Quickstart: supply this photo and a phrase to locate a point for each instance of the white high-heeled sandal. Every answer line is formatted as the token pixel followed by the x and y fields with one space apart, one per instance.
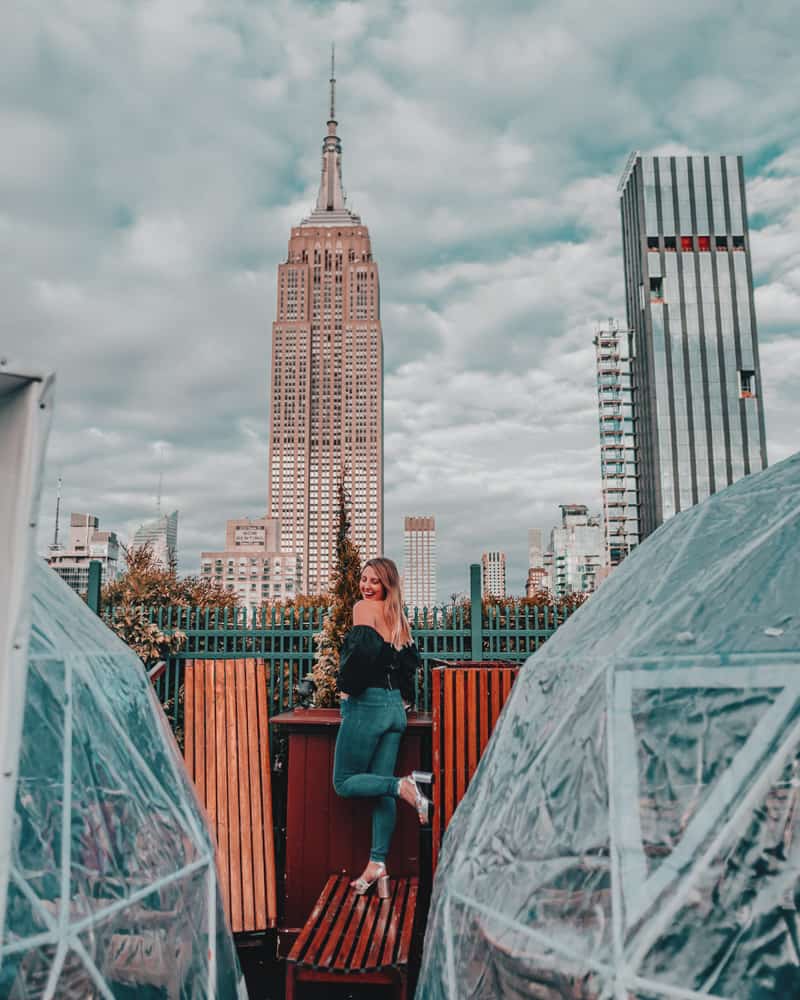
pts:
pixel 423 804
pixel 362 886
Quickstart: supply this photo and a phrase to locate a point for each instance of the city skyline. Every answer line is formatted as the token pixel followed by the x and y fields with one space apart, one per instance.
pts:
pixel 151 183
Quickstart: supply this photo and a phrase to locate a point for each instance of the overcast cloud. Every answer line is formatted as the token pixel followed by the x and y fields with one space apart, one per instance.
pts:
pixel 153 156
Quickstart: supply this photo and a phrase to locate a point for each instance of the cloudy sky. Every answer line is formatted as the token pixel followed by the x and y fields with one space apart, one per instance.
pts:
pixel 154 154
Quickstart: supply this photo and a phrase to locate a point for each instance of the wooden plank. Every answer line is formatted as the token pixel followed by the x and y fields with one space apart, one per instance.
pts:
pixel 471 722
pixel 436 761
pixel 379 931
pixel 497 698
pixel 188 721
pixel 447 737
pixel 484 721
pixel 201 723
pixel 222 782
pixel 349 936
pixel 398 909
pixel 365 935
pixel 298 948
pixel 407 930
pixel 211 757
pixel 459 727
pixel 338 929
pixel 265 772
pixel 234 826
pixel 326 921
pixel 245 834
pixel 256 818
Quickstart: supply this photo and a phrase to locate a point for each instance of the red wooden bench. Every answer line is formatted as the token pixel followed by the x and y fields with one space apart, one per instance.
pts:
pixel 226 746
pixel 467 701
pixel 360 938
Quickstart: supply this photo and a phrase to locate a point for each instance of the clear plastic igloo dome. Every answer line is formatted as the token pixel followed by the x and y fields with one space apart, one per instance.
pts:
pixel 633 829
pixel 107 878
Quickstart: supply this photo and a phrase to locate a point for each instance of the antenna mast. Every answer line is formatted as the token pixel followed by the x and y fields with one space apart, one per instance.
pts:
pixel 58 513
pixel 333 82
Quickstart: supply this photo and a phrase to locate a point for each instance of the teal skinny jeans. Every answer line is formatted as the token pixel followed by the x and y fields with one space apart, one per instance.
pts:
pixel 373 724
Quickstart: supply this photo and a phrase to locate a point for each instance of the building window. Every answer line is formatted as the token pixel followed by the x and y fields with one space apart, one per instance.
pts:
pixel 686 243
pixel 747 383
pixel 738 242
pixel 721 242
pixel 652 243
pixel 656 289
pixel 669 242
pixel 704 243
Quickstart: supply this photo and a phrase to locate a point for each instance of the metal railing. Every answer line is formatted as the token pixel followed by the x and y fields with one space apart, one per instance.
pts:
pixel 283 638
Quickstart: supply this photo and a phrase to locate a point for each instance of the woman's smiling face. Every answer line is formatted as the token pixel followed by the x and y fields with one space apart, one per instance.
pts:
pixel 371 586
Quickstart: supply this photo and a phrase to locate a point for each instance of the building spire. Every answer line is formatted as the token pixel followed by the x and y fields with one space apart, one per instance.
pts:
pixel 330 209
pixel 331 195
pixel 332 117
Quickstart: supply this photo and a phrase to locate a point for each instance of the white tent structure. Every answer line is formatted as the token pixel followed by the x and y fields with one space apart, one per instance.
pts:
pixel 633 829
pixel 107 878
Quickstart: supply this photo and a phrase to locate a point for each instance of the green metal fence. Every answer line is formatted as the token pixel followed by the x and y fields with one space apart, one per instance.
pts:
pixel 284 639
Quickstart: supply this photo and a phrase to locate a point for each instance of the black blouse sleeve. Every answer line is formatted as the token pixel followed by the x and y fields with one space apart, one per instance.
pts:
pixel 361 647
pixel 407 662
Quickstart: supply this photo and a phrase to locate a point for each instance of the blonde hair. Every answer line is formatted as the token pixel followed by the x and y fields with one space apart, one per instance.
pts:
pixel 393 613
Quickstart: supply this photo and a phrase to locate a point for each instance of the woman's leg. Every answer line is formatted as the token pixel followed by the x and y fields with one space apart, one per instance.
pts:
pixel 360 734
pixel 384 813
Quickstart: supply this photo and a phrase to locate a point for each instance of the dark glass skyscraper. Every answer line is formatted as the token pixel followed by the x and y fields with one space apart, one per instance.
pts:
pixel 698 407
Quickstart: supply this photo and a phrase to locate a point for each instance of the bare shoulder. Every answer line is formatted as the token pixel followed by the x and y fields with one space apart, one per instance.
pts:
pixel 363 614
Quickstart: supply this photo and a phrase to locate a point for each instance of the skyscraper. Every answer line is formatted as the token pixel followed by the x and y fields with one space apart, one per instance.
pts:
pixel 326 404
pixel 161 534
pixel 617 443
pixel 86 544
pixel 699 416
pixel 576 551
pixel 493 566
pixel 419 563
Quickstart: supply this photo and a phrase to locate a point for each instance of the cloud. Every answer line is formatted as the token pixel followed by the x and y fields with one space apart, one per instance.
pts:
pixel 156 155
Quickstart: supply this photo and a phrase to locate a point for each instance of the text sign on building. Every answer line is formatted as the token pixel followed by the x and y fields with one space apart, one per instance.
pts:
pixel 250 535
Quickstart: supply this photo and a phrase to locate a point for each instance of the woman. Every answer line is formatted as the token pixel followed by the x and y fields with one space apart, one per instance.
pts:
pixel 378 667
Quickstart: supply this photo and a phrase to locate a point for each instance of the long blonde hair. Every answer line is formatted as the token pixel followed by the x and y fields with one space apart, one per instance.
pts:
pixel 393 613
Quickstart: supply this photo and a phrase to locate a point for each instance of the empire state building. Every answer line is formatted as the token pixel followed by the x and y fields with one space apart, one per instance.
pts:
pixel 326 403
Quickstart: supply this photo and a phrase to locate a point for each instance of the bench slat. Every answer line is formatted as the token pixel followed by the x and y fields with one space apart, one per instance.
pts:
pixel 325 924
pixel 337 930
pixel 379 931
pixel 298 947
pixel 349 937
pixel 357 961
pixel 404 945
pixel 398 909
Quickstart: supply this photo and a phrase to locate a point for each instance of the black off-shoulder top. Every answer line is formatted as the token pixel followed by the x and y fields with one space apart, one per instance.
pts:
pixel 366 659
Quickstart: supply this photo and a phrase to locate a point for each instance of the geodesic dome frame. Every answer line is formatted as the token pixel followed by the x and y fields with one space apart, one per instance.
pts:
pixel 107 866
pixel 633 830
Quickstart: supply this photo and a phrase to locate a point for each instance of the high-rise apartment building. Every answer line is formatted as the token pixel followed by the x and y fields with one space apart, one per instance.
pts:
pixel 326 405
pixel 699 415
pixel 161 535
pixel 493 574
pixel 86 544
pixel 252 565
pixel 535 548
pixel 576 553
pixel 617 444
pixel 419 562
